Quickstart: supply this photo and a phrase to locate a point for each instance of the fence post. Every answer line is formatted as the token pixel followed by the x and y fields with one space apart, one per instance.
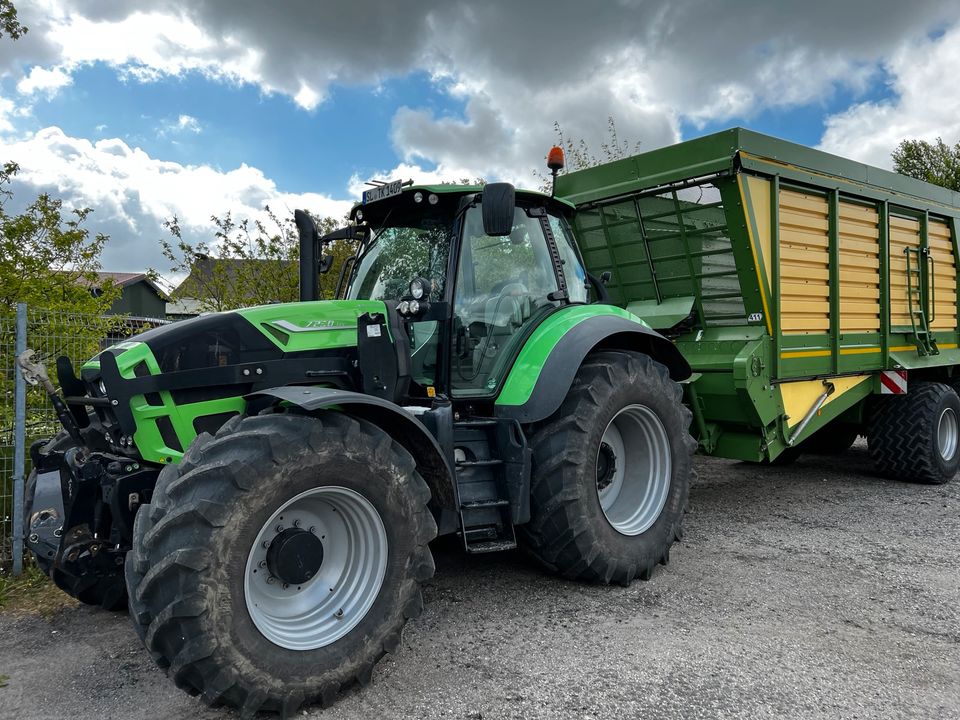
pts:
pixel 19 440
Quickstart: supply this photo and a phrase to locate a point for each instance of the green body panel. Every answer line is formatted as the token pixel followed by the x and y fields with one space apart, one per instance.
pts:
pixel 525 372
pixel 291 327
pixel 684 221
pixel 311 325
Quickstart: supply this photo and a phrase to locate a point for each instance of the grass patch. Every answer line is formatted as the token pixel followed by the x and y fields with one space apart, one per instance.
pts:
pixel 32 592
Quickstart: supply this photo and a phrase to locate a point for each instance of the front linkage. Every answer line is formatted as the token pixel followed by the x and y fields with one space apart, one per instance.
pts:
pixel 80 503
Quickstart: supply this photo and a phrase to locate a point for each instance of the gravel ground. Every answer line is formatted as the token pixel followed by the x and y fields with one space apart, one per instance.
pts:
pixel 803 592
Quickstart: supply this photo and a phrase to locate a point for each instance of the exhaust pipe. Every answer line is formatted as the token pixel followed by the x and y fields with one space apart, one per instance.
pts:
pixel 309 256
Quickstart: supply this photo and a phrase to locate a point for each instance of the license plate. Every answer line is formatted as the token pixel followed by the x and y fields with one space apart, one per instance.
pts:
pixel 382 191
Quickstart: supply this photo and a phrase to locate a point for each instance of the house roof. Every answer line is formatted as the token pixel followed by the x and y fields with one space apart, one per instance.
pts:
pixel 204 267
pixel 123 279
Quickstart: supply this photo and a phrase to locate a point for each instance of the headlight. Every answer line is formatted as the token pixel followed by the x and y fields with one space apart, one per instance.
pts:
pixel 418 288
pixel 414 307
pixel 404 307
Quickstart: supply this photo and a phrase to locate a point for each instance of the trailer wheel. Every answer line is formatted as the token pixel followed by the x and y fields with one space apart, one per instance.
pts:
pixel 280 560
pixel 611 472
pixel 916 436
pixel 109 591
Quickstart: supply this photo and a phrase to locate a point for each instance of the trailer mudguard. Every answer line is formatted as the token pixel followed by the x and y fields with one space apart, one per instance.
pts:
pixel 544 370
pixel 399 424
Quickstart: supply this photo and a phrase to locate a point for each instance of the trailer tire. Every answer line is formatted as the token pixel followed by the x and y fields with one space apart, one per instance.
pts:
pixel 916 437
pixel 204 613
pixel 108 592
pixel 577 528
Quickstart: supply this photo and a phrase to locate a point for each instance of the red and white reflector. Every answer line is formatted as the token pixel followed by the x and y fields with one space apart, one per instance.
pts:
pixel 893 382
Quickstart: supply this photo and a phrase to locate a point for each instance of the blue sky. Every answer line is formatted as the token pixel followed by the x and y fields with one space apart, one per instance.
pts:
pixel 149 109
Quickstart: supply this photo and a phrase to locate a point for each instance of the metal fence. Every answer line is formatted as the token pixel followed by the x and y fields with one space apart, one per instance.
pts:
pixel 26 414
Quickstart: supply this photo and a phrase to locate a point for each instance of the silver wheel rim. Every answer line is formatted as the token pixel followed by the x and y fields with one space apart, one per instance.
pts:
pixel 634 489
pixel 948 430
pixel 330 604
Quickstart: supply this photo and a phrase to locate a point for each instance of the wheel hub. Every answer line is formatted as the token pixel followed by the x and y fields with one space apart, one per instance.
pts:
pixel 316 567
pixel 606 466
pixel 634 467
pixel 295 556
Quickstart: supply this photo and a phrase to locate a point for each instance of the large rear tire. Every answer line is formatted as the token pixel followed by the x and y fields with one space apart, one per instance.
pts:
pixel 611 472
pixel 916 436
pixel 106 591
pixel 280 560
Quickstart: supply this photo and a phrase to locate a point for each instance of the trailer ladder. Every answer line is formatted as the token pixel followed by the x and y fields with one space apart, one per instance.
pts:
pixel 919 323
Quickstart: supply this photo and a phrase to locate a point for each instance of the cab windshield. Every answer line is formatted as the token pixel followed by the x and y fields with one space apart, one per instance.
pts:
pixel 399 254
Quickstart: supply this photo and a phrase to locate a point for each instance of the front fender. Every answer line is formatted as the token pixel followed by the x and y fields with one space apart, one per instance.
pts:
pixel 399 424
pixel 546 366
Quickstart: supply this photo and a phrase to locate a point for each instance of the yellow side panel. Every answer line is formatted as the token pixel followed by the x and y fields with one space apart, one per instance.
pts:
pixel 759 190
pixel 859 245
pixel 904 232
pixel 799 397
pixel 944 276
pixel 804 263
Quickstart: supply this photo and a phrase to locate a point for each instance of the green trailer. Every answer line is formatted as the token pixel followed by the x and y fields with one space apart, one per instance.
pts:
pixel 811 294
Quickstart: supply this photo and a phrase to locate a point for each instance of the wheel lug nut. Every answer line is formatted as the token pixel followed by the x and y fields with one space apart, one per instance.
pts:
pixel 263 563
pixel 279 528
pixel 270 580
pixel 266 543
pixel 285 586
pixel 313 529
pixel 296 523
pixel 338 613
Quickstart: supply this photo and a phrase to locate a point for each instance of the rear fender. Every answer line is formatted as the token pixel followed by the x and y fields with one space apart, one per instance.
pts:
pixel 545 369
pixel 399 424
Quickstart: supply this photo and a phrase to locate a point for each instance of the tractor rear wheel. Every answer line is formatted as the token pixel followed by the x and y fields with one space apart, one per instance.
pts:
pixel 611 472
pixel 916 436
pixel 280 560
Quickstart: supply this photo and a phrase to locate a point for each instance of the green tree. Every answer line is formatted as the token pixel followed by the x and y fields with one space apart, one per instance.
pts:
pixel 9 24
pixel 48 258
pixel 935 162
pixel 248 262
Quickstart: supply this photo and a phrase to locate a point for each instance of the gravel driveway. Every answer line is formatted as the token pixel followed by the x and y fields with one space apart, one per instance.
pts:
pixel 815 590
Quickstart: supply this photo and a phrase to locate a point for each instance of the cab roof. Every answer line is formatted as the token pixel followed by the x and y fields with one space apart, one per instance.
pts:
pixel 370 209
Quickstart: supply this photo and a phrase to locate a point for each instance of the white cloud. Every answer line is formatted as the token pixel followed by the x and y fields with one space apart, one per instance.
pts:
pixel 923 107
pixel 133 193
pixel 42 80
pixel 180 124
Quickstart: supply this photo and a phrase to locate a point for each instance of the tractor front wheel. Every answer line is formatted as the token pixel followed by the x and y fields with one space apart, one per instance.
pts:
pixel 280 560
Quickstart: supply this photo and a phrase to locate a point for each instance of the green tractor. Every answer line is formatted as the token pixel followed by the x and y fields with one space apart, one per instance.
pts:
pixel 262 485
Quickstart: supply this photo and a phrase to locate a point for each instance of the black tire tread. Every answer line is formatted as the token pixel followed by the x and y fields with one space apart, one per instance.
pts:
pixel 560 536
pixel 899 437
pixel 187 495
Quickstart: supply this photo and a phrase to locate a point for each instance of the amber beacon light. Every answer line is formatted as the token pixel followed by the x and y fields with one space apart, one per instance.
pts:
pixel 555 162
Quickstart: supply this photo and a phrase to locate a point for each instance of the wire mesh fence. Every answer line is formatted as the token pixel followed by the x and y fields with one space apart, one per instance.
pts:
pixel 50 334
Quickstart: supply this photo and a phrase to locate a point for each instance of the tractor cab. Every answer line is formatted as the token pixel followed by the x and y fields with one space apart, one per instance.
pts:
pixel 469 272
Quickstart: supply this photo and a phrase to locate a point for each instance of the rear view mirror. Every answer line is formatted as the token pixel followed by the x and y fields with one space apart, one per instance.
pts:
pixel 499 201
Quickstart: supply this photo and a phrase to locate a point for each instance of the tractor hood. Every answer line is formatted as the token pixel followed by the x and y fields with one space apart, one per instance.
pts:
pixel 234 337
pixel 166 385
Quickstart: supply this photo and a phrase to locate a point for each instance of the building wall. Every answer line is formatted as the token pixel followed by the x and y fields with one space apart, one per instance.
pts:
pixel 139 300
